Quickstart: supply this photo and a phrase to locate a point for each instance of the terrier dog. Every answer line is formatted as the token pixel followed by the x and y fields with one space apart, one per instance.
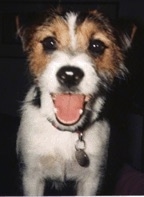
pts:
pixel 73 59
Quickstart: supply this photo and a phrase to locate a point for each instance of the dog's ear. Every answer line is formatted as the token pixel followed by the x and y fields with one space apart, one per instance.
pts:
pixel 18 26
pixel 21 31
pixel 128 35
pixel 126 31
pixel 26 25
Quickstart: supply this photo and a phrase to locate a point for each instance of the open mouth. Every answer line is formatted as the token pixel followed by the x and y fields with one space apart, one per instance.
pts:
pixel 69 107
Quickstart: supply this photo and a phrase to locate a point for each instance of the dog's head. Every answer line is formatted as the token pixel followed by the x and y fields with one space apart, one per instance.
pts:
pixel 73 58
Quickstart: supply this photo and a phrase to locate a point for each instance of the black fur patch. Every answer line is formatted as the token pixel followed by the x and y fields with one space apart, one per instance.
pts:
pixel 37 99
pixel 81 17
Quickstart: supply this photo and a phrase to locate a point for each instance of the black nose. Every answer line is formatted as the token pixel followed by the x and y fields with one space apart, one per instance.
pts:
pixel 70 76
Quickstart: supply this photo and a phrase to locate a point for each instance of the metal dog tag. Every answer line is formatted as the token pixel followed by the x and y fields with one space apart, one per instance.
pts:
pixel 82 158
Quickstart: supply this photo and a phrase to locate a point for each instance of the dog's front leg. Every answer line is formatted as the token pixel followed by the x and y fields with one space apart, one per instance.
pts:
pixel 88 186
pixel 33 184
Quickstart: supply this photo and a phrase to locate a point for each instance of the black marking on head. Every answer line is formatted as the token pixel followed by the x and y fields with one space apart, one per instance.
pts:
pixel 81 17
pixel 37 98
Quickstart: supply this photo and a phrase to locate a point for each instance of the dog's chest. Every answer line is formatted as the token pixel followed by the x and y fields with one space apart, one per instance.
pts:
pixel 54 151
pixel 56 167
pixel 55 154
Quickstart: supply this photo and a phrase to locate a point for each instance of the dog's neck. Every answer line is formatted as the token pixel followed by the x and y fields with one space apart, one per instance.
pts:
pixel 80 146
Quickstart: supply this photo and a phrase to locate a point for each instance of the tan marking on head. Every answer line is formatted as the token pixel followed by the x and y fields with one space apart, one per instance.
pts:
pixel 110 59
pixel 87 31
pixel 38 58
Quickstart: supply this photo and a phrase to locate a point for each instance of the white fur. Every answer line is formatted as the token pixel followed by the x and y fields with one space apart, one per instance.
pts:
pixel 80 60
pixel 71 20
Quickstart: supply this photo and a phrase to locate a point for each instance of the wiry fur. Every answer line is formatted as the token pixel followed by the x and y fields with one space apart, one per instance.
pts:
pixel 47 146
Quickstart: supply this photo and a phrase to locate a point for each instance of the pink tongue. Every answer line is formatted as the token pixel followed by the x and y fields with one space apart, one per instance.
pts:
pixel 68 107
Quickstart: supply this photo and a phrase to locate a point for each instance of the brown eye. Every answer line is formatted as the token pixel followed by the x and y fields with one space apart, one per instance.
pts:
pixel 96 47
pixel 49 44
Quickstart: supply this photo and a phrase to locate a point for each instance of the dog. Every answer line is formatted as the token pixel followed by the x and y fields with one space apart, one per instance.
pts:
pixel 73 59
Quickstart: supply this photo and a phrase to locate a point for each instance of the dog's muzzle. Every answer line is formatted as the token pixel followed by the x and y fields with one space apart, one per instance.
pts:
pixel 69 106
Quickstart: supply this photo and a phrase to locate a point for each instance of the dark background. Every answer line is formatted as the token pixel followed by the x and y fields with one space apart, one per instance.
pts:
pixel 126 98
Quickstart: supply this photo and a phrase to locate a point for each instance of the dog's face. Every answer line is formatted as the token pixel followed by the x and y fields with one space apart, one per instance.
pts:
pixel 74 58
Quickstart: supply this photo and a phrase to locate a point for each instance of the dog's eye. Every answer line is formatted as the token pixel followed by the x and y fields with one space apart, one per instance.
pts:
pixel 96 47
pixel 49 44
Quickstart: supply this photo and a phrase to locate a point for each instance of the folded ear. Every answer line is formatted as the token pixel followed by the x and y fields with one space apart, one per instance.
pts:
pixel 25 27
pixel 126 31
pixel 28 19
pixel 21 29
pixel 128 36
pixel 134 29
pixel 18 26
